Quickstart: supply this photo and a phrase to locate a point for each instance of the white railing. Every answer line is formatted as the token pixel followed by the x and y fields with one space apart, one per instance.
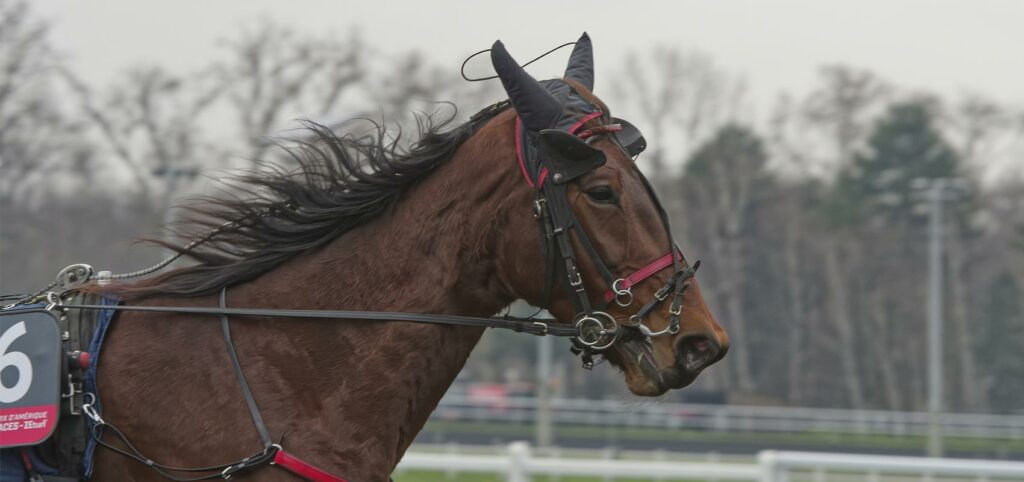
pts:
pixel 519 464
pixel 735 418
pixel 780 466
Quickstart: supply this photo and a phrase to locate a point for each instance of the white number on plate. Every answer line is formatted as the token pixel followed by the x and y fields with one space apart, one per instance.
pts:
pixel 19 361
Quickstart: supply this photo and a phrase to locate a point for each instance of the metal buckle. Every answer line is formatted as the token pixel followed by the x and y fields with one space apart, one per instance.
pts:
pixel 601 334
pixel 676 308
pixel 538 208
pixel 544 326
pixel 577 281
pixel 663 292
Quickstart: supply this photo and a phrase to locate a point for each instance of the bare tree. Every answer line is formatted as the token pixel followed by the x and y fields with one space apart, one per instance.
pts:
pixel 275 76
pixel 36 137
pixel 680 98
pixel 151 122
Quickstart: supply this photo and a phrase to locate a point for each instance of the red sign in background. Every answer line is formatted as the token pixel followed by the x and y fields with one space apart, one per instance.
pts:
pixel 26 425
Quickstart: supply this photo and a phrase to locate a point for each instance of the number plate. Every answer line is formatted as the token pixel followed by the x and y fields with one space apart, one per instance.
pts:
pixel 30 357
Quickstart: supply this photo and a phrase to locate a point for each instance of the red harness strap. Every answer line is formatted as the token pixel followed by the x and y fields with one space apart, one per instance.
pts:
pixel 641 274
pixel 302 468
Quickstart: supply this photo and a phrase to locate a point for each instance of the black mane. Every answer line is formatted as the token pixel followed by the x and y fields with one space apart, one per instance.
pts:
pixel 274 213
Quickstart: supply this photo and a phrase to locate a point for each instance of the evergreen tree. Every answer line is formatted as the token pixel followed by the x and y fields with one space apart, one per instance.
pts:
pixel 1001 344
pixel 724 178
pixel 904 144
pixel 734 147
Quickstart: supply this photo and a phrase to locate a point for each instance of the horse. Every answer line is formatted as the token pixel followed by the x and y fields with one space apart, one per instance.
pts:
pixel 447 226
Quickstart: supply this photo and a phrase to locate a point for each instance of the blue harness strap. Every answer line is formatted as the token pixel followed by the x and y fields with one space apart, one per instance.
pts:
pixel 102 325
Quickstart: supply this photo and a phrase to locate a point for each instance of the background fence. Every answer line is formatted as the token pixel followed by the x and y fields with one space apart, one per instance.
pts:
pixel 735 418
pixel 518 463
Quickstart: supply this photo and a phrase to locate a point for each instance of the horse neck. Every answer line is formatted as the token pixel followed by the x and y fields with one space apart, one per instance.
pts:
pixel 435 252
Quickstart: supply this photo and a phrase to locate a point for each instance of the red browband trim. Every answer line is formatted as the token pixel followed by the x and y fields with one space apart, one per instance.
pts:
pixel 642 274
pixel 302 468
pixel 584 120
pixel 599 130
pixel 519 152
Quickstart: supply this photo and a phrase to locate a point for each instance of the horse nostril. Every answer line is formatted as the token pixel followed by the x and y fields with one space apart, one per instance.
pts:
pixel 697 352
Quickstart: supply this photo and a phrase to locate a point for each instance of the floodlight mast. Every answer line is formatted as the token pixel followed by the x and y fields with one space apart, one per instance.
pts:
pixel 936 191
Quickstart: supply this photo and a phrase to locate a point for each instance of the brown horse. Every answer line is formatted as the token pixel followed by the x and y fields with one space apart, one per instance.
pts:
pixel 444 227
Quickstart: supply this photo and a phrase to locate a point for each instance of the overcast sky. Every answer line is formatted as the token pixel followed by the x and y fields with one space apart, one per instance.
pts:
pixel 940 45
pixel 944 46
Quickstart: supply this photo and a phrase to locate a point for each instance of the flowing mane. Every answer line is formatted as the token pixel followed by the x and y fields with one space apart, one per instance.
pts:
pixel 273 213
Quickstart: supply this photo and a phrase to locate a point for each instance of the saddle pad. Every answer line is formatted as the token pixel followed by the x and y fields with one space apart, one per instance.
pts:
pixel 30 356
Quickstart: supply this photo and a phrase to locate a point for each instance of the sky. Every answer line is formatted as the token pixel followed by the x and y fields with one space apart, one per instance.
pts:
pixel 939 45
pixel 942 46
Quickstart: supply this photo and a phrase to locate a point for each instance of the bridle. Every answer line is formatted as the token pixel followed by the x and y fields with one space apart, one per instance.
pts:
pixel 549 180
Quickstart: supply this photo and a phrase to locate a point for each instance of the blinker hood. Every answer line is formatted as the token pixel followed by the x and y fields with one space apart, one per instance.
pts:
pixel 549 104
pixel 549 112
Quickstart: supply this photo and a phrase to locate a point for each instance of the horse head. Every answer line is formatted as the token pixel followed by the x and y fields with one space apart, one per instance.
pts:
pixel 609 264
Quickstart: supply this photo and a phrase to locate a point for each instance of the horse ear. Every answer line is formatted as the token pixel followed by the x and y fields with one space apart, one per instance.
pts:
pixel 537 108
pixel 581 63
pixel 567 156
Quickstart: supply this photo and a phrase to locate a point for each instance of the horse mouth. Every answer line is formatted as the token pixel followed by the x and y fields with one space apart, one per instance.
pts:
pixel 642 374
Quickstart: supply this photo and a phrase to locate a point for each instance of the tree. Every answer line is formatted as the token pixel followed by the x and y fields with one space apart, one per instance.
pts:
pixel 274 75
pixel 36 137
pixel 904 145
pixel 878 232
pixel 1001 344
pixel 721 181
pixel 681 98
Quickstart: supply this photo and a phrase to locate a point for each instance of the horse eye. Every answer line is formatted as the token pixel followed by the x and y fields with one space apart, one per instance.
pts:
pixel 602 194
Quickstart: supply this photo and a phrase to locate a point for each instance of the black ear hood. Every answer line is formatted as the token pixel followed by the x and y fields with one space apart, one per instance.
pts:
pixel 551 112
pixel 548 104
pixel 536 107
pixel 581 63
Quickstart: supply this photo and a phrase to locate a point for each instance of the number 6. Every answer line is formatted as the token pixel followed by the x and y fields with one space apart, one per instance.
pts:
pixel 19 361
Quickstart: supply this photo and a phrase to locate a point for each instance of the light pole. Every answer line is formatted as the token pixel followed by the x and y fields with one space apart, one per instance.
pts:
pixel 936 192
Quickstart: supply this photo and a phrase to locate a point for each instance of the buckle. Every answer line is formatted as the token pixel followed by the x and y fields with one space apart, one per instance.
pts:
pixel 677 307
pixel 538 208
